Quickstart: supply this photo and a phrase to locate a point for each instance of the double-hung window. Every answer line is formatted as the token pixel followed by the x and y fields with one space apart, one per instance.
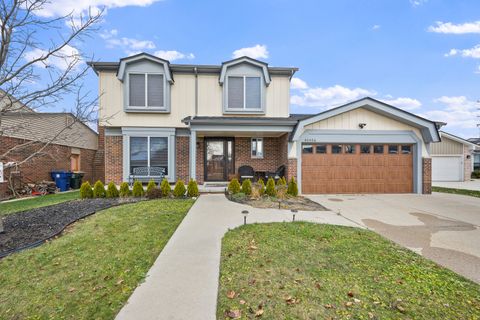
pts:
pixel 257 148
pixel 244 93
pixel 146 90
pixel 149 152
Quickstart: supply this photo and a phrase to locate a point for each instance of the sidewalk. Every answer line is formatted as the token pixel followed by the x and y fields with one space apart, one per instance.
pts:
pixel 183 281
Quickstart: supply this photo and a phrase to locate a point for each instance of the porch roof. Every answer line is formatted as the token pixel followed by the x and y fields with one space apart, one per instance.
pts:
pixel 292 120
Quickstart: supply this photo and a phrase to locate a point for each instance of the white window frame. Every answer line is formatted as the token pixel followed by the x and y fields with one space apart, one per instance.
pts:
pixel 146 106
pixel 245 109
pixel 251 149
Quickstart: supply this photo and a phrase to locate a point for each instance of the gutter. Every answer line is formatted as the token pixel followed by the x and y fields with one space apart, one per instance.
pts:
pixel 195 70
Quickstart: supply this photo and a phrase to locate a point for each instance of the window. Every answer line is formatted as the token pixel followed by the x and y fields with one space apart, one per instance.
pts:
pixel 307 148
pixel 146 90
pixel 257 148
pixel 350 148
pixel 321 148
pixel 149 152
pixel 378 149
pixel 244 93
pixel 365 148
pixel 406 149
pixel 336 148
pixel 75 162
pixel 392 149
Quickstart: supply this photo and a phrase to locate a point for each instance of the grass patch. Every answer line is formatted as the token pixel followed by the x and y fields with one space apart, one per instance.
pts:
pixel 465 192
pixel 36 202
pixel 91 270
pixel 310 271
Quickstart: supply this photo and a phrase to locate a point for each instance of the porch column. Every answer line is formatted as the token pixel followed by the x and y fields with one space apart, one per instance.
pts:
pixel 193 154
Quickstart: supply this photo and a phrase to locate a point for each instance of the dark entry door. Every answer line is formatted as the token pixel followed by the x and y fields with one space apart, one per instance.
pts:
pixel 219 163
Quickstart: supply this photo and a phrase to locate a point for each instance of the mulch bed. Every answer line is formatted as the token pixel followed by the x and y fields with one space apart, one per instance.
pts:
pixel 291 203
pixel 32 227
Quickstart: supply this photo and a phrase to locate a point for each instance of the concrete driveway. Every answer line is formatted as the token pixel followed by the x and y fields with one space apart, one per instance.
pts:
pixel 473 184
pixel 443 227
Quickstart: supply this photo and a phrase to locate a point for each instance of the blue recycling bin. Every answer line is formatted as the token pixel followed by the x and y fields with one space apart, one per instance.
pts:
pixel 62 179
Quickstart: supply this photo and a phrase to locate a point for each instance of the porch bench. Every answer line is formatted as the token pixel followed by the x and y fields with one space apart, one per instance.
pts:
pixel 145 174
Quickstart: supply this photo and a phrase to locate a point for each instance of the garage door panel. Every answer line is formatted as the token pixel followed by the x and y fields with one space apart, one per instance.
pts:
pixel 447 168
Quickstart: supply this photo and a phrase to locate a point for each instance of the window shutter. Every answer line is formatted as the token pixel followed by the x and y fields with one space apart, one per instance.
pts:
pixel 136 90
pixel 253 93
pixel 155 90
pixel 235 92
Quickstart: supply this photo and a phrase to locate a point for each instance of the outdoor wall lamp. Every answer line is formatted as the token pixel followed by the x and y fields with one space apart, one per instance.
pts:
pixel 245 213
pixel 362 125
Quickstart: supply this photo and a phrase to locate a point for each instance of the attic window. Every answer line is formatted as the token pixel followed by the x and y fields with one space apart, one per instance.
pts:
pixel 244 93
pixel 146 90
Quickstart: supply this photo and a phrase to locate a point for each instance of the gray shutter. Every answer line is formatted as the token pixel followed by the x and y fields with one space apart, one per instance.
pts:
pixel 235 92
pixel 253 93
pixel 136 91
pixel 155 90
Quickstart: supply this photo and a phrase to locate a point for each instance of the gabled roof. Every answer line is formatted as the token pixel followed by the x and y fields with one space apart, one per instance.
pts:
pixel 245 59
pixel 458 139
pixel 144 56
pixel 428 128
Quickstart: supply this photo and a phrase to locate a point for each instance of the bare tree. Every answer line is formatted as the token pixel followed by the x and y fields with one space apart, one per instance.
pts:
pixel 35 73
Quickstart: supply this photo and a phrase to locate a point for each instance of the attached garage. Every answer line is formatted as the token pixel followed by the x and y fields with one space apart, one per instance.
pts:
pixel 447 168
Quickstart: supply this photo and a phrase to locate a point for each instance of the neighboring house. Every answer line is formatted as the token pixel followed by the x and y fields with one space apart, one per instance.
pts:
pixel 72 145
pixel 452 159
pixel 205 121
pixel 476 153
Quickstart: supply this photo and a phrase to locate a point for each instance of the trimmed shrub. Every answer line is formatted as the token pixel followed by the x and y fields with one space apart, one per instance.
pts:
pixel 151 185
pixel 179 190
pixel 154 193
pixel 165 187
pixel 234 186
pixel 99 190
pixel 284 181
pixel 270 188
pixel 86 191
pixel 281 192
pixel 261 189
pixel 281 182
pixel 292 188
pixel 476 174
pixel 247 187
pixel 192 189
pixel 125 190
pixel 257 191
pixel 112 191
pixel 137 190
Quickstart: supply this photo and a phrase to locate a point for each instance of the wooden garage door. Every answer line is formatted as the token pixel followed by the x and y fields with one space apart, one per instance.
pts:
pixel 355 168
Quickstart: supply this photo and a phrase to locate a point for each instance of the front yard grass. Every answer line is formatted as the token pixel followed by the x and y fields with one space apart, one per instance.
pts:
pixel 465 192
pixel 90 271
pixel 311 271
pixel 37 202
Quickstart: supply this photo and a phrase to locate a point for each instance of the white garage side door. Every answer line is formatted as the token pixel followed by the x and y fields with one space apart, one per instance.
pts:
pixel 448 168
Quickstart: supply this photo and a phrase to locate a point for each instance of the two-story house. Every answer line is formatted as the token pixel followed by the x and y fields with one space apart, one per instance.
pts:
pixel 206 121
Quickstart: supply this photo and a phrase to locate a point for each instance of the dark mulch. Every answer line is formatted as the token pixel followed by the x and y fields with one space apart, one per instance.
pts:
pixel 290 203
pixel 32 227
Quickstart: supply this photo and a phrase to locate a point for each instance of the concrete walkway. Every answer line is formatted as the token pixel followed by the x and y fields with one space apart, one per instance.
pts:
pixel 473 184
pixel 183 282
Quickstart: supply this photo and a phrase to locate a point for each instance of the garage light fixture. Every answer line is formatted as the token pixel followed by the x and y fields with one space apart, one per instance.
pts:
pixel 362 125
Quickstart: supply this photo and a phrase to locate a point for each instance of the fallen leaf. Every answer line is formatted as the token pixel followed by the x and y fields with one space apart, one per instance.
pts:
pixel 318 285
pixel 357 300
pixel 259 313
pixel 297 280
pixel 252 282
pixel 243 301
pixel 348 303
pixel 400 308
pixel 252 247
pixel 350 293
pixel 371 315
pixel 233 314
pixel 119 282
pixel 71 289
pixel 231 294
pixel 291 300
pixel 328 306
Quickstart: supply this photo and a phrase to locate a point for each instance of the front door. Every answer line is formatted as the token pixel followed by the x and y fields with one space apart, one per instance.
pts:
pixel 219 165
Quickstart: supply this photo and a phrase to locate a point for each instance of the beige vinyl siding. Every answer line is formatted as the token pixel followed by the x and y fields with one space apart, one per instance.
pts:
pixel 350 120
pixel 45 127
pixel 447 146
pixel 278 97
pixel 209 96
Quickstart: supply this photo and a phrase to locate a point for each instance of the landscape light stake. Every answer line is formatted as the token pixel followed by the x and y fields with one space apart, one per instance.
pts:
pixel 294 211
pixel 245 213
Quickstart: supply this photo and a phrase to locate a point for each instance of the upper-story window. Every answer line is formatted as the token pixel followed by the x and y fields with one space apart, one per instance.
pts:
pixel 146 90
pixel 244 93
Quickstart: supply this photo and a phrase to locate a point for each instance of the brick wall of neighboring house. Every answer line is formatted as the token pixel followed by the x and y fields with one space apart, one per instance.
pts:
pixel 427 175
pixel 182 152
pixel 53 157
pixel 467 175
pixel 113 154
pixel 99 159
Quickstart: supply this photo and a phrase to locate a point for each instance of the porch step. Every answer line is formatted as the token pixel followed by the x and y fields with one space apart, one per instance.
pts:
pixel 213 187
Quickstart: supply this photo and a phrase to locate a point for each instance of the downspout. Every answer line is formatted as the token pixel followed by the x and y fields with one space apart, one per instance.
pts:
pixel 195 70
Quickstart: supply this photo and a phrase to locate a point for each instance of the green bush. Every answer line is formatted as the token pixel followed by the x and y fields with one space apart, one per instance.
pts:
pixel 284 181
pixel 154 193
pixel 247 186
pixel 261 190
pixel 179 190
pixel 192 189
pixel 125 190
pixel 112 191
pixel 281 181
pixel 292 188
pixel 234 186
pixel 151 185
pixel 86 191
pixel 476 174
pixel 270 188
pixel 98 190
pixel 165 187
pixel 137 190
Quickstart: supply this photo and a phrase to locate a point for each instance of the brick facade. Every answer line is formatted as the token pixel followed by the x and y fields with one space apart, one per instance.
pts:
pixel 467 167
pixel 53 157
pixel 200 161
pixel 427 175
pixel 99 160
pixel 292 169
pixel 113 159
pixel 182 156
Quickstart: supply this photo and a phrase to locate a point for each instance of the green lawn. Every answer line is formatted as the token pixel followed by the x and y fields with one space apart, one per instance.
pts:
pixel 89 272
pixel 464 192
pixel 310 271
pixel 36 202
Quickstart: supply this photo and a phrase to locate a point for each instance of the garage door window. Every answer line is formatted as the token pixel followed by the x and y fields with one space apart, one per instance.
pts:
pixel 406 149
pixel 336 148
pixel 378 149
pixel 307 148
pixel 392 149
pixel 321 148
pixel 350 148
pixel 365 148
